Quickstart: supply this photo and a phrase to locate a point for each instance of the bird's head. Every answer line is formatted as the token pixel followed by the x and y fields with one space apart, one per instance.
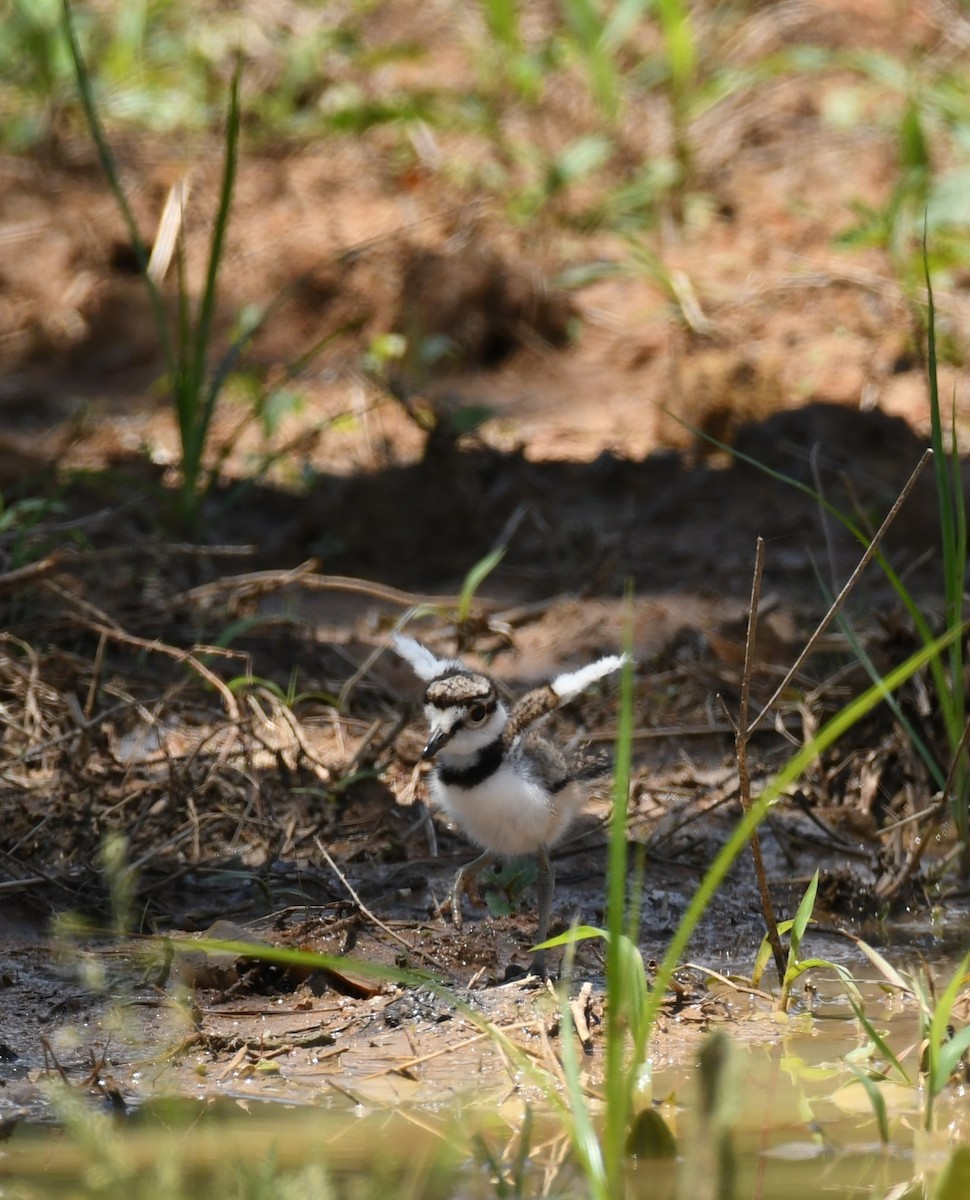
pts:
pixel 464 714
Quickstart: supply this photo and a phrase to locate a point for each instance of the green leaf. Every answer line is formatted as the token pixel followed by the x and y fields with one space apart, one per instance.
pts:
pixel 765 953
pixel 497 903
pixel 946 1052
pixel 581 158
pixel 948 1057
pixel 281 403
pixel 914 152
pixel 877 1040
pixel 885 968
pixel 243 683
pixel 876 1099
pixel 576 933
pixel 650 1137
pixel 502 17
pixel 474 579
pixel 803 915
pixel 954 1181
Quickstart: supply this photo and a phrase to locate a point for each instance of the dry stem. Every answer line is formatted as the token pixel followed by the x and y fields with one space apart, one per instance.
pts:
pixel 841 598
pixel 741 740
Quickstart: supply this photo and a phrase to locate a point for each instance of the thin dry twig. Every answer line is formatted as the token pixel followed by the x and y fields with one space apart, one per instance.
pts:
pixel 11 580
pixel 101 623
pixel 473 1040
pixel 369 915
pixel 745 988
pixel 888 889
pixel 841 598
pixel 39 750
pixel 255 583
pixel 744 776
pixel 577 1008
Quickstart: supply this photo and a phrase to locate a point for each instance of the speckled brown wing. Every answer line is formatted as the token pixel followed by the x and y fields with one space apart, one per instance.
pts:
pixel 532 707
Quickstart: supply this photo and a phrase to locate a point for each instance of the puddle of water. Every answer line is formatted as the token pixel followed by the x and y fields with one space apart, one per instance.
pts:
pixel 802 1126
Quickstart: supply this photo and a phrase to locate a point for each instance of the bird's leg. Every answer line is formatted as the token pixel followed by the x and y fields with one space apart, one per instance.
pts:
pixel 545 887
pixel 464 878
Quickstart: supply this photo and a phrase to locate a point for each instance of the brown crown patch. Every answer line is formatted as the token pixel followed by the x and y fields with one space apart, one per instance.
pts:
pixel 462 687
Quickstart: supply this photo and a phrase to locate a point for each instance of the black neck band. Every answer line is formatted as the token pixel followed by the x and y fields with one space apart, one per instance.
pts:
pixel 486 763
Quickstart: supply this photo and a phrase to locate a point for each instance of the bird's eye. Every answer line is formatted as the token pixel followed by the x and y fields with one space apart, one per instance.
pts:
pixel 477 714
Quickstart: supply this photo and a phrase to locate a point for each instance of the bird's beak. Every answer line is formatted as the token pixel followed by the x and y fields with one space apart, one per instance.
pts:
pixel 437 739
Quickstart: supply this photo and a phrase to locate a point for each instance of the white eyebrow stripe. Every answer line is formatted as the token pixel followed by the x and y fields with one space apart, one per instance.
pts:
pixel 446 718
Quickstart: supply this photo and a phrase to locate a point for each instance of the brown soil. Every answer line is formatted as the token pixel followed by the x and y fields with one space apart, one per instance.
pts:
pixel 121 634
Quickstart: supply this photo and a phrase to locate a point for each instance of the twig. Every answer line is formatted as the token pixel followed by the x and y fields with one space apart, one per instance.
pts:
pixel 367 751
pixel 841 598
pixel 889 889
pixel 10 580
pixel 727 981
pixel 95 678
pixel 577 1008
pixel 665 732
pixel 369 915
pixel 257 582
pixel 351 683
pixel 744 777
pixel 421 1059
pixel 102 624
pixel 51 1057
pixel 41 749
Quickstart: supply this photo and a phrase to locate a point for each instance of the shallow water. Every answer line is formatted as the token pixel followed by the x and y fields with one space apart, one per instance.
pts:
pixel 797 1121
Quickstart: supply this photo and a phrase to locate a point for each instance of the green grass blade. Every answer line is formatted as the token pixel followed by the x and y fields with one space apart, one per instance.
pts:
pixel 582 1132
pixel 803 914
pixel 885 968
pixel 203 330
pixel 110 167
pixel 620 21
pixel 181 382
pixel 765 954
pixel 502 19
pixel 876 1099
pixel 680 46
pixel 197 398
pixel 925 753
pixel 878 1040
pixel 575 933
pixel 948 1056
pixel 794 769
pixel 794 968
pixel 913 610
pixel 588 30
pixel 945 1052
pixel 474 580
pixel 953 534
pixel 619 980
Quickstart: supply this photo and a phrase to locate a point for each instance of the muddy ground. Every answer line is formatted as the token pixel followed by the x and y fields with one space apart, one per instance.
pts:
pixel 218 694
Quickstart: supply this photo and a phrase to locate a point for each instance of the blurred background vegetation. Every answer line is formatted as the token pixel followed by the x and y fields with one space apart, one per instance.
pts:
pixel 602 114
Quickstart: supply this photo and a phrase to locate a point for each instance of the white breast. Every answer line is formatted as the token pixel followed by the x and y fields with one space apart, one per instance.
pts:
pixel 508 813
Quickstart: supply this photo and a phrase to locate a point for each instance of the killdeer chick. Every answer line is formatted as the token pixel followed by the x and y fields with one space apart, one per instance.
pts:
pixel 510 790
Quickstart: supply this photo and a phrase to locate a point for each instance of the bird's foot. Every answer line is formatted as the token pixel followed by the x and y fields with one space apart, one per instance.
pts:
pixel 537 969
pixel 463 885
pixel 466 883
